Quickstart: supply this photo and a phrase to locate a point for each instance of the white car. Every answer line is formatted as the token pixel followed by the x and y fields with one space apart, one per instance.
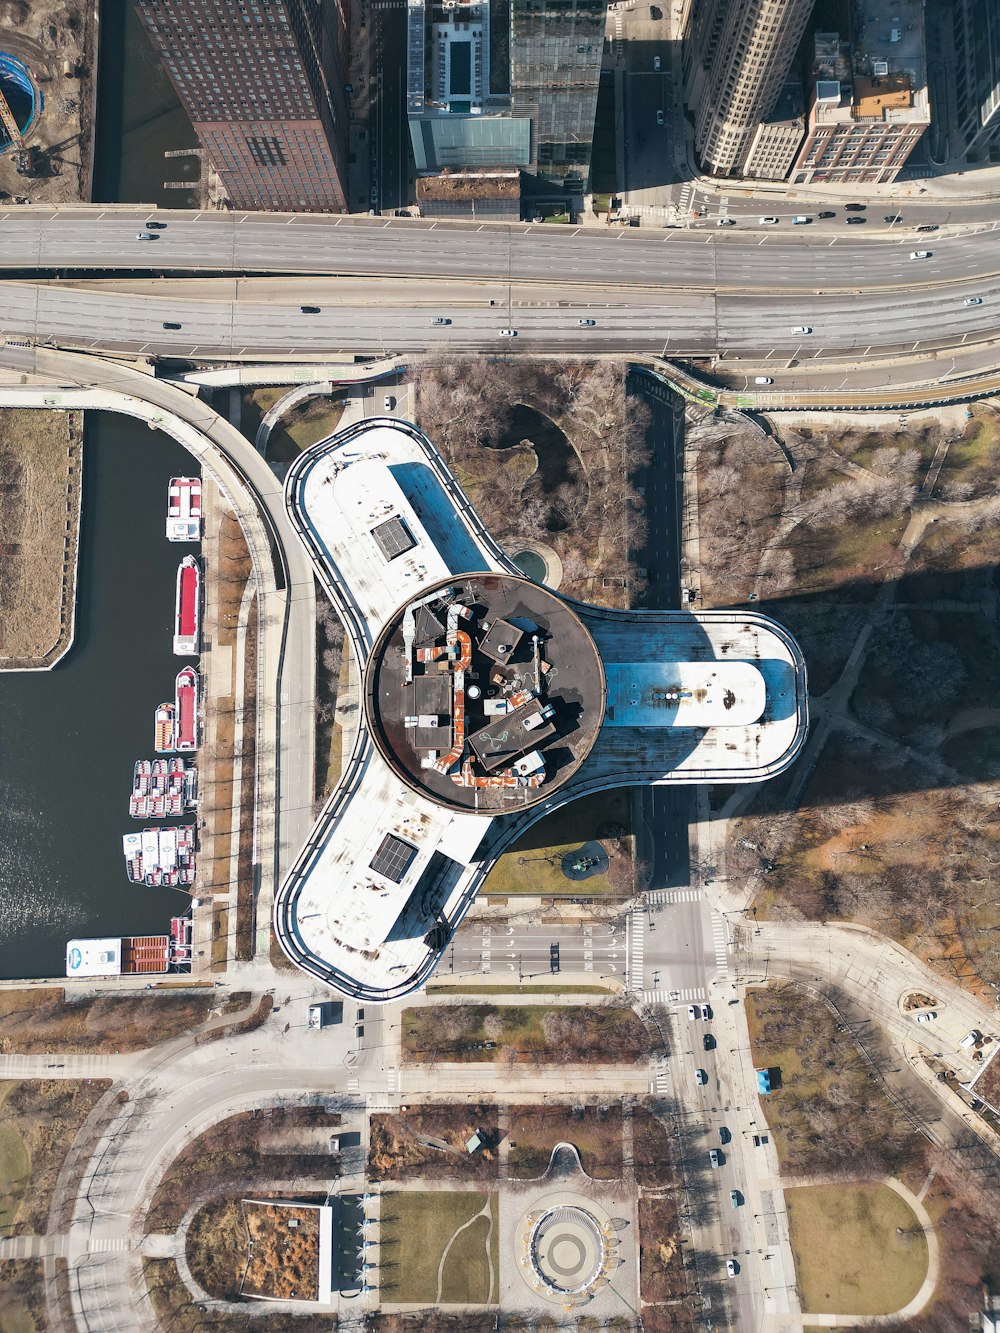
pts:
pixel 388 402
pixel 700 1077
pixel 921 254
pixel 659 117
pixel 928 1016
pixel 587 323
pixel 508 333
pixel 694 1011
pixel 762 379
pixel 146 236
pixel 715 1157
pixel 768 222
pixel 802 328
pixel 732 1268
pixel 725 222
pixel 656 63
pixel 973 300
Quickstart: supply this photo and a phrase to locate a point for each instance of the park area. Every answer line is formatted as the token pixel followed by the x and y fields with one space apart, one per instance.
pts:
pixel 595 1132
pixel 522 1034
pixel 439 1248
pixel 859 1249
pixel 535 863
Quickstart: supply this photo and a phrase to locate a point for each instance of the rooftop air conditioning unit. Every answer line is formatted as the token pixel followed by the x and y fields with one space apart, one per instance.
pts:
pixel 880 68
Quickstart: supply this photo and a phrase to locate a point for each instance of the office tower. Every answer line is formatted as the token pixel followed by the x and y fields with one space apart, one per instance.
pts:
pixel 977 80
pixel 503 86
pixel 264 83
pixel 777 139
pixel 742 54
pixel 868 101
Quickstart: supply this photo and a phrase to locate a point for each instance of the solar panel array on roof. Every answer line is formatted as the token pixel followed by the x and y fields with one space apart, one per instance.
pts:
pixel 393 858
pixel 393 537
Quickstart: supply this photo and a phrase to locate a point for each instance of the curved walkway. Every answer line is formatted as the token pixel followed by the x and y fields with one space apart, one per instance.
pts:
pixel 285 404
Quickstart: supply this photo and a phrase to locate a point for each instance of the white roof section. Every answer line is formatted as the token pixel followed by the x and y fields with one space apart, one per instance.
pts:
pixel 684 694
pixel 93 958
pixel 362 922
pixel 357 489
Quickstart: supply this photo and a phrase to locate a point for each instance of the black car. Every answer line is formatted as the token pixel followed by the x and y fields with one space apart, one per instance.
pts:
pixel 708 1041
pixel 854 222
pixel 157 226
pixel 309 309
pixel 827 215
pixel 167 324
pixel 855 208
pixel 928 226
pixel 892 217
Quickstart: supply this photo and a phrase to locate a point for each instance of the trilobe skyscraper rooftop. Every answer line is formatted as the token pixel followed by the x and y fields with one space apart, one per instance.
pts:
pixel 740 53
pixel 264 82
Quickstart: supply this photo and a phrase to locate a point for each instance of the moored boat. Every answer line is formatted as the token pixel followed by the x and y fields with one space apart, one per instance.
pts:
pixel 184 509
pixel 187 608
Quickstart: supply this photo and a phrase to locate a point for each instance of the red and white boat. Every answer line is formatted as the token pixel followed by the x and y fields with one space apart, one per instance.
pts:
pixel 186 709
pixel 184 509
pixel 187 610
pixel 165 725
pixel 138 805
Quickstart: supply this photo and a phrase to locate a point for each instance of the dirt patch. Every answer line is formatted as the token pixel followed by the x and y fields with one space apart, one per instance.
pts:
pixel 49 36
pixel 35 1022
pixel 433 1139
pixel 662 1276
pixel 595 1132
pixel 41 457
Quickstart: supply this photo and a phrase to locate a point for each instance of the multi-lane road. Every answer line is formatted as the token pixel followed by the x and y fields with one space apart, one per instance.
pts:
pixel 731 292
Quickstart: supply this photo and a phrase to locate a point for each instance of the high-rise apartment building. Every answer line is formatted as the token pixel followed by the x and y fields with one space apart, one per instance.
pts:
pixel 741 54
pixel 264 83
pixel 868 100
pixel 977 80
pixel 498 85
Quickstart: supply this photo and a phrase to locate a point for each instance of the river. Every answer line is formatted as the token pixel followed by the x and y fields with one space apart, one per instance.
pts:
pixel 69 737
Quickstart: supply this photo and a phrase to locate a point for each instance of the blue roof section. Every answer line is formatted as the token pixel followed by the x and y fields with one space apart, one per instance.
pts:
pixel 763 1081
pixel 470 141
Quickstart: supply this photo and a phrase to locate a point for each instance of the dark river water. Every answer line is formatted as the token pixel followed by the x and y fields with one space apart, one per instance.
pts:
pixel 69 737
pixel 139 117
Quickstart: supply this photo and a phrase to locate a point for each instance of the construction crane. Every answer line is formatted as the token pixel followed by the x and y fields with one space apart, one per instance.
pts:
pixel 22 156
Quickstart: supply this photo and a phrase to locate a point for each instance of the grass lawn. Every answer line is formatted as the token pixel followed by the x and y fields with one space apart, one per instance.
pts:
pixel 535 1131
pixel 848 1257
pixel 417 1230
pixel 15 1165
pixel 472 1032
pixel 972 460
pixel 533 864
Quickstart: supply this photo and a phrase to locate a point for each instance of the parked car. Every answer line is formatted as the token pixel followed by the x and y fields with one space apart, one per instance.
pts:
pixel 971 1038
pixel 388 402
pixel 736 1198
pixel 694 1011
pixel 656 63
pixel 700 1077
pixel 716 1158
pixel 708 1042
pixel 659 117
pixel 724 1134
pixel 928 1016
pixel 732 1267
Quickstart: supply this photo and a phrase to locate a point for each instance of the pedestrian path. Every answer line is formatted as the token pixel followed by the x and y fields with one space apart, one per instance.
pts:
pixel 667 897
pixel 719 942
pixel 637 942
pixel 55 1066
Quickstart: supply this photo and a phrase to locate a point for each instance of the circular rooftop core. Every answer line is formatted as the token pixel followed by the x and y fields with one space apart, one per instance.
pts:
pixel 485 693
pixel 19 91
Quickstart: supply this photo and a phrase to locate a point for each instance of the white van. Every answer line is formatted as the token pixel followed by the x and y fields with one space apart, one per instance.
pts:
pixel 971 1038
pixel 762 379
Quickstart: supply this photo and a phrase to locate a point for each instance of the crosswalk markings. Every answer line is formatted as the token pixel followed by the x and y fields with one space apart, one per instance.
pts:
pixel 667 897
pixel 688 996
pixel 719 943
pixel 685 199
pixel 107 1244
pixel 637 924
pixel 353 1085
